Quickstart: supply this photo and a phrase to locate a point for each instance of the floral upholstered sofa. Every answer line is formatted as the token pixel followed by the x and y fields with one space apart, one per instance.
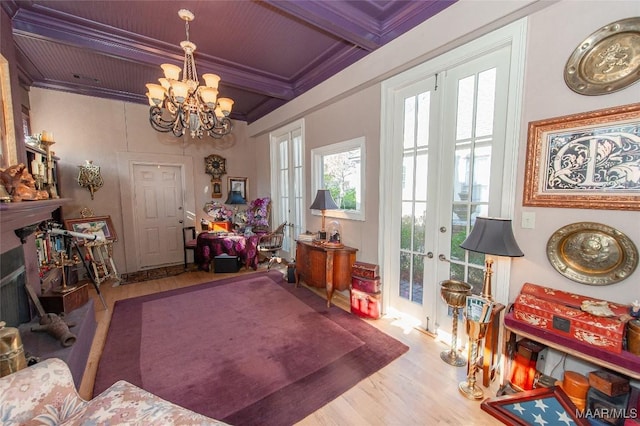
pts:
pixel 44 394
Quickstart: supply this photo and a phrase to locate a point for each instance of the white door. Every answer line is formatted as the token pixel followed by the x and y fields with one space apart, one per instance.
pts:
pixel 158 213
pixel 446 154
pixel 287 185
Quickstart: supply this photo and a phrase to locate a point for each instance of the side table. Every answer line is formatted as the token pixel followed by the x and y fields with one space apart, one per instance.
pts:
pixel 328 267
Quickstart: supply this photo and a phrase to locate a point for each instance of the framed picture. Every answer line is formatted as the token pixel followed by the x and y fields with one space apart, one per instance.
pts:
pixel 95 225
pixel 589 160
pixel 239 184
pixel 531 408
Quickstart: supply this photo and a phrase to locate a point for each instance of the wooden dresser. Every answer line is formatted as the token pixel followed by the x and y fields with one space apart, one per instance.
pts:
pixel 320 266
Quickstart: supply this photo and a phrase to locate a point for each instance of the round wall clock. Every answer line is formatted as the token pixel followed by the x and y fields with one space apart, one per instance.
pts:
pixel 215 166
pixel 606 61
pixel 592 253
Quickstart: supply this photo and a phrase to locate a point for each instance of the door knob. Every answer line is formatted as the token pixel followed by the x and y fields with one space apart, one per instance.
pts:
pixel 443 258
pixel 429 255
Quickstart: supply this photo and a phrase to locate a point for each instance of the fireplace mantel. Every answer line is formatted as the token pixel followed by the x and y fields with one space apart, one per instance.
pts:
pixel 18 215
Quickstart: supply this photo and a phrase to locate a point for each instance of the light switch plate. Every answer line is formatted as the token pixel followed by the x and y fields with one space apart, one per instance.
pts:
pixel 528 220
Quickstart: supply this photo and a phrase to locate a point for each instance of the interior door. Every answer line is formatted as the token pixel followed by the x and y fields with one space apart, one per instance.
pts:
pixel 450 126
pixel 158 203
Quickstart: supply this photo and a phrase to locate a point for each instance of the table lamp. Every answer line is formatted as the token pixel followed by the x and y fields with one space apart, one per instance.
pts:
pixel 492 236
pixel 323 202
pixel 235 198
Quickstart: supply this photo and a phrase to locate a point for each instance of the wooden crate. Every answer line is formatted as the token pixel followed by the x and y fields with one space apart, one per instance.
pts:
pixel 58 303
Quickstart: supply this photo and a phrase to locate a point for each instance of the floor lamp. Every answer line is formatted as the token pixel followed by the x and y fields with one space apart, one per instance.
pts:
pixel 490 236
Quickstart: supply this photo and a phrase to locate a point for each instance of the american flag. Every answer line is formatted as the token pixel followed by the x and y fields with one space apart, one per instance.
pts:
pixel 541 412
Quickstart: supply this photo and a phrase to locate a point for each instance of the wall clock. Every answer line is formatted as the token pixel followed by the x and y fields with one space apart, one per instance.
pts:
pixel 215 165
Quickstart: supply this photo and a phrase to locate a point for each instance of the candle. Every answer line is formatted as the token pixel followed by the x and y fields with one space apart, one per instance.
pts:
pixel 47 136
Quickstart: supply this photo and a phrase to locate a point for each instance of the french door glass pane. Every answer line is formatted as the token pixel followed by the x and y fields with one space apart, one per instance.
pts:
pixel 464 117
pixel 424 105
pixel 406 234
pixel 409 122
pixel 486 102
pixel 418 278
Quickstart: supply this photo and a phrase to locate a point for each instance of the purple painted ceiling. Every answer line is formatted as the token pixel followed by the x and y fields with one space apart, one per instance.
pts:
pixel 267 52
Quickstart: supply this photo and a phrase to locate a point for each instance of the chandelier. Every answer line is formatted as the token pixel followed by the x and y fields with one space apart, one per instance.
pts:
pixel 185 104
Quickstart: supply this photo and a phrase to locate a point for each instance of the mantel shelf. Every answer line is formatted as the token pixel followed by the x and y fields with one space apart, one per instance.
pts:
pixel 18 215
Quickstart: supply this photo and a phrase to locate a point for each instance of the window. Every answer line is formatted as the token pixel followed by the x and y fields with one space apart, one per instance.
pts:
pixel 340 169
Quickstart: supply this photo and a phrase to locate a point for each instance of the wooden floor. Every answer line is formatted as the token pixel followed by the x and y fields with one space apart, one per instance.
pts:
pixel 416 389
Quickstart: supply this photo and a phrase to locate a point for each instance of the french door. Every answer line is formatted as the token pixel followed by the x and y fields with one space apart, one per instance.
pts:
pixel 287 185
pixel 446 125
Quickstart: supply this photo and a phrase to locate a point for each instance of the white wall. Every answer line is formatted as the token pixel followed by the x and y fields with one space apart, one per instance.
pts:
pixel 348 105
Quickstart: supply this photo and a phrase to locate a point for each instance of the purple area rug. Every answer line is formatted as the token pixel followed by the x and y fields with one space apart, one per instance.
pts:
pixel 247 350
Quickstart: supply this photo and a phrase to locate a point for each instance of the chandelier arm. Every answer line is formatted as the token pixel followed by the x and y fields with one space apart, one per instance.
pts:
pixel 157 122
pixel 223 127
pixel 175 126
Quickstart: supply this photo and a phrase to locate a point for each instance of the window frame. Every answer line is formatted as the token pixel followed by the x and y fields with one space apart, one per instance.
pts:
pixel 317 175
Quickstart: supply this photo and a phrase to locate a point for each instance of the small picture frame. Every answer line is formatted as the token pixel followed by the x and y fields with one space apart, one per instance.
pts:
pixel 216 188
pixel 588 160
pixel 95 225
pixel 239 184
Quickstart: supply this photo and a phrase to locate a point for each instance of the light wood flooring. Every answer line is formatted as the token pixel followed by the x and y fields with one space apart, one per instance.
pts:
pixel 416 389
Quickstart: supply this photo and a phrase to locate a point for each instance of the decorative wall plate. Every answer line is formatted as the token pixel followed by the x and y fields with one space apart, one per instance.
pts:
pixel 606 61
pixel 592 253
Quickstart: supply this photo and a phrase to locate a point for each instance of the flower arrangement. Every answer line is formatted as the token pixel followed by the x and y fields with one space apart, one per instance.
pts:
pixel 219 212
pixel 258 212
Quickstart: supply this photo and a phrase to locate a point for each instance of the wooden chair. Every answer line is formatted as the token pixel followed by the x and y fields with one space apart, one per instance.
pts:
pixel 270 244
pixel 189 241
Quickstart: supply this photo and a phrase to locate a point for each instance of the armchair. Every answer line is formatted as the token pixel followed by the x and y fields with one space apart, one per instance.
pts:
pixel 270 244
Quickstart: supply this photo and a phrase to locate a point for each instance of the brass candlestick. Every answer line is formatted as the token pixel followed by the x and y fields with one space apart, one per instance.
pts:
pixel 62 263
pixel 476 331
pixel 454 293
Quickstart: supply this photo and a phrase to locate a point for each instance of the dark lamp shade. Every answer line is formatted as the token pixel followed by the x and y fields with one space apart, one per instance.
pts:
pixel 323 201
pixel 494 236
pixel 235 197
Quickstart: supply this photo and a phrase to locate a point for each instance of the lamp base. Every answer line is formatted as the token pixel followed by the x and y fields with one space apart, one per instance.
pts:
pixel 470 391
pixel 452 358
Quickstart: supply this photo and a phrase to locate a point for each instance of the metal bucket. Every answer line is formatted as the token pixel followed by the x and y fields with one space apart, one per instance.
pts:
pixel 12 356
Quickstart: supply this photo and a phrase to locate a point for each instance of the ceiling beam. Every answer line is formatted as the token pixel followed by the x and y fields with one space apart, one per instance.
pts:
pixel 360 32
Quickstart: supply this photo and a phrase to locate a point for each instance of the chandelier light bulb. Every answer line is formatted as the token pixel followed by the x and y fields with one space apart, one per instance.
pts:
pixel 171 72
pixel 225 106
pixel 211 80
